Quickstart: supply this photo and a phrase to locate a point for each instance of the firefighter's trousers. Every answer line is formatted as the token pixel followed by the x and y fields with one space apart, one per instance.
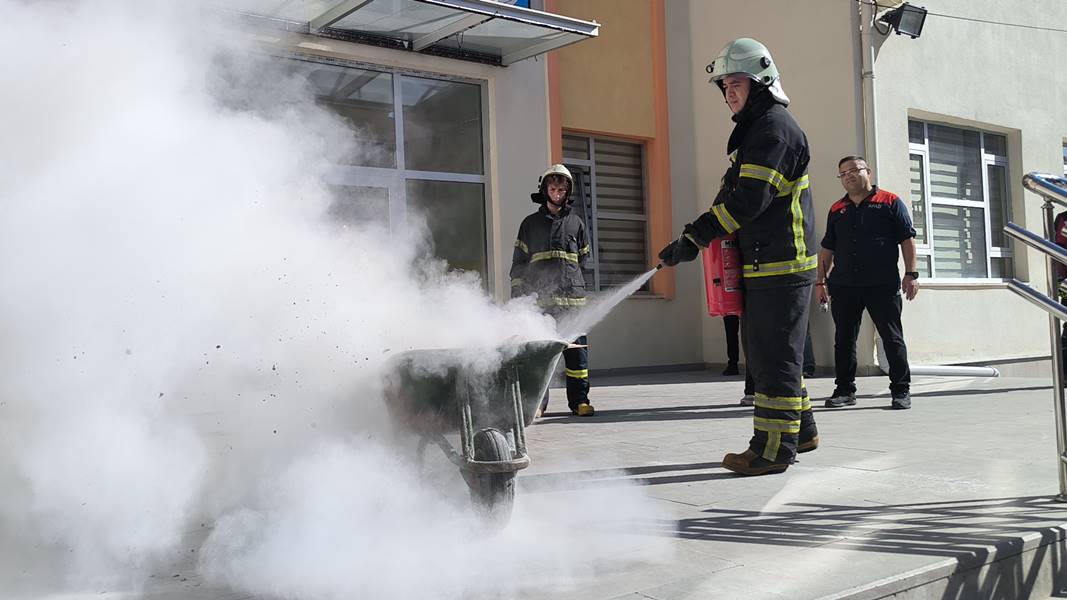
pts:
pixel 775 324
pixel 576 361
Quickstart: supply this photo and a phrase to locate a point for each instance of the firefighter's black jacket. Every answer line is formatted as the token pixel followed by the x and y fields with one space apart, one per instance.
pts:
pixel 550 253
pixel 765 198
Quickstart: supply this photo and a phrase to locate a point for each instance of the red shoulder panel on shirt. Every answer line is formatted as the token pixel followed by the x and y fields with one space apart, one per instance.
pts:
pixel 840 204
pixel 883 197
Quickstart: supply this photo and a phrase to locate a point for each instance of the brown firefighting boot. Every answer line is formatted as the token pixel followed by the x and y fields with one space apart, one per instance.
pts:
pixel 750 463
pixel 808 446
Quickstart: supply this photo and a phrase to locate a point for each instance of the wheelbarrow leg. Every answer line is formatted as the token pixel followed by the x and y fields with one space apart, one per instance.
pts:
pixel 466 430
pixel 519 426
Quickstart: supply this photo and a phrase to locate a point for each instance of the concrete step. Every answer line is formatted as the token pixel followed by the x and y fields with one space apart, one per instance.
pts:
pixel 1031 566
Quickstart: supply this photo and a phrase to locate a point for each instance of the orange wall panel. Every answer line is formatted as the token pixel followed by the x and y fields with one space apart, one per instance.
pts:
pixel 606 84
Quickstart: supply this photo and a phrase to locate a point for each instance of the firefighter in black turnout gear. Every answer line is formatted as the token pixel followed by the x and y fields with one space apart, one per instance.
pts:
pixel 765 198
pixel 550 252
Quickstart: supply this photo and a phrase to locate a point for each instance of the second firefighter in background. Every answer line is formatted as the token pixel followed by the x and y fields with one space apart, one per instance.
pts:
pixel 550 253
pixel 764 198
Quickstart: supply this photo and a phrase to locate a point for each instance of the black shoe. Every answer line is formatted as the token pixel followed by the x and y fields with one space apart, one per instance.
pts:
pixel 809 373
pixel 839 400
pixel 731 369
pixel 901 401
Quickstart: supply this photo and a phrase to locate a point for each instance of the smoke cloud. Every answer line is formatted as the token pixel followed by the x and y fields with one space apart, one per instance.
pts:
pixel 189 337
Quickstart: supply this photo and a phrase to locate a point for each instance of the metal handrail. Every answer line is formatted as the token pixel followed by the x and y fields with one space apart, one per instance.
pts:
pixel 1054 190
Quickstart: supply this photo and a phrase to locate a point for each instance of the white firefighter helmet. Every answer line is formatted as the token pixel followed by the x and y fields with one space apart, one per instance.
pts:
pixel 557 169
pixel 746 56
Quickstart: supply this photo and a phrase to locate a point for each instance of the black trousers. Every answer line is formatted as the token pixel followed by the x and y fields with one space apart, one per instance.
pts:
pixel 576 367
pixel 576 361
pixel 732 324
pixel 884 304
pixel 775 326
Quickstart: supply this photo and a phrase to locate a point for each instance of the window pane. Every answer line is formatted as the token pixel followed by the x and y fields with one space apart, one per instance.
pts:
pixel 575 146
pixel 999 208
pixel 442 125
pixel 955 163
pixel 622 251
pixel 918 196
pixel 455 216
pixel 997 145
pixel 915 132
pixel 959 241
pixel 617 177
pixel 619 180
pixel 1001 268
pixel 922 263
pixel 365 100
pixel 354 205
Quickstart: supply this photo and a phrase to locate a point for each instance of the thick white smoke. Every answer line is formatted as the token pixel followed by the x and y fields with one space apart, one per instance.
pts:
pixel 188 337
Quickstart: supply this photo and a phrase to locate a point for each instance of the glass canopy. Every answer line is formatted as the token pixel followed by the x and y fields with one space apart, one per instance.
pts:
pixel 491 31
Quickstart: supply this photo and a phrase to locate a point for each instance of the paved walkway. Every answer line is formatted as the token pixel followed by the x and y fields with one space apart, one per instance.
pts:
pixel 902 504
pixel 889 501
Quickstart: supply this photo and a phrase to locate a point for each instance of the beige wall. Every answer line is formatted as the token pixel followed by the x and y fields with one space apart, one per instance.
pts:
pixel 1002 79
pixel 819 64
pixel 606 83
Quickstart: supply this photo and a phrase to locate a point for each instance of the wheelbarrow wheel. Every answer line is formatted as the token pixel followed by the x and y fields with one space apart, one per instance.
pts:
pixel 492 494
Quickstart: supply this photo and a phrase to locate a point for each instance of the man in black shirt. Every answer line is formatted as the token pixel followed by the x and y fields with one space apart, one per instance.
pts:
pixel 859 255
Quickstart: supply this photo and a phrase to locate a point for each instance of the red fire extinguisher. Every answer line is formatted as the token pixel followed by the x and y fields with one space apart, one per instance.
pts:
pixel 722 277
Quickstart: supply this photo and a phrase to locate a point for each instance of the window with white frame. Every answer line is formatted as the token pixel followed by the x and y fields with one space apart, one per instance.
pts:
pixel 420 151
pixel 959 201
pixel 610 198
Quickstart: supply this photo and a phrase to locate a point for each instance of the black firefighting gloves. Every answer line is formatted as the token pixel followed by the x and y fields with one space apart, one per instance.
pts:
pixel 680 250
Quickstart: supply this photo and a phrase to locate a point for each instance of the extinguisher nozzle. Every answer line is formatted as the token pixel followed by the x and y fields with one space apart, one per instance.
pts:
pixel 660 266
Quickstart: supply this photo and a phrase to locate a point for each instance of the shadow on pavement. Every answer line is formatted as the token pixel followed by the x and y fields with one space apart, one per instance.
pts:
pixel 662 413
pixel 973 532
pixel 572 480
pixel 971 392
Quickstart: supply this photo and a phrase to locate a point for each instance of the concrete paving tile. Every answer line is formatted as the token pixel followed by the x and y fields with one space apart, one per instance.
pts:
pixel 888 496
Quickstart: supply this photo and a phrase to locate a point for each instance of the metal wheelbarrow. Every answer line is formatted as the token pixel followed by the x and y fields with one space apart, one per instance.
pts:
pixel 489 402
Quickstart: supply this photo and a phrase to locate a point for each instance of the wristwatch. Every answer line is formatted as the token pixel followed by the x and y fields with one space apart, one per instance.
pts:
pixel 912 274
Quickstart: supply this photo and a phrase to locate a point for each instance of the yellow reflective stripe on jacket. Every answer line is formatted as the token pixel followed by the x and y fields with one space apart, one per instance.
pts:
pixel 791 187
pixel 585 250
pixel 550 254
pixel 728 222
pixel 776 425
pixel 561 301
pixel 782 268
pixel 762 173
pixel 577 373
pixel 798 217
pixel 780 402
pixel 522 246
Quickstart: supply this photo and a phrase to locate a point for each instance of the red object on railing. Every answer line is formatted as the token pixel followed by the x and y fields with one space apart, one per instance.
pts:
pixel 722 277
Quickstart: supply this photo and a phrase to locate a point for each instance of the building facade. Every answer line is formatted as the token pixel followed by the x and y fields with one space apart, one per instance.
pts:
pixel 461 111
